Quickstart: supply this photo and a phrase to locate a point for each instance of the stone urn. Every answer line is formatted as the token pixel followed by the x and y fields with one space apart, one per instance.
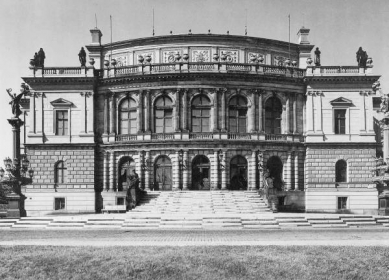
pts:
pixel 369 61
pixel 261 59
pixel 215 57
pixel 91 61
pixel 32 62
pixel 141 59
pixel 177 56
pixel 185 57
pixel 223 57
pixel 253 58
pixel 148 58
pixel 106 63
pixel 113 62
pixel 309 61
pixel 287 62
pixel 294 63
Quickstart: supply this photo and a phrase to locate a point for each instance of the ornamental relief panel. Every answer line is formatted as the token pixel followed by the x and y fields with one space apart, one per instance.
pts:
pixel 254 57
pixel 170 56
pixel 201 55
pixel 229 56
pixel 145 57
pixel 121 60
pixel 279 60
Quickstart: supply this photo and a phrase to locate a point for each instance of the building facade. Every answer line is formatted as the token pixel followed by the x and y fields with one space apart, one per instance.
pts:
pixel 200 112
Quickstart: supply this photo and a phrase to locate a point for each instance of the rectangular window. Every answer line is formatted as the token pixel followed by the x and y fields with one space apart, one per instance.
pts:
pixel 377 103
pixel 342 203
pixel 59 203
pixel 61 122
pixel 340 121
pixel 120 201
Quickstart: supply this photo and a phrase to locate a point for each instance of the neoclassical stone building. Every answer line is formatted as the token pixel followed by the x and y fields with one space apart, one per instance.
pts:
pixel 200 112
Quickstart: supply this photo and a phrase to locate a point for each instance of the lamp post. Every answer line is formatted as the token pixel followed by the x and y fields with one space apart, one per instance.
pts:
pixel 18 172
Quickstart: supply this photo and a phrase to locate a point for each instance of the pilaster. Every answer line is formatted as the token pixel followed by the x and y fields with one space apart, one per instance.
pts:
pixel 215 171
pixel 185 171
pixel 288 171
pixel 140 112
pixel 224 172
pixel 147 170
pixel 296 171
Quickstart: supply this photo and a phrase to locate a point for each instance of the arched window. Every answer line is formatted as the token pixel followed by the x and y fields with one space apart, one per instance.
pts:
pixel 60 172
pixel 127 116
pixel 273 113
pixel 341 171
pixel 163 113
pixel 201 107
pixel 237 114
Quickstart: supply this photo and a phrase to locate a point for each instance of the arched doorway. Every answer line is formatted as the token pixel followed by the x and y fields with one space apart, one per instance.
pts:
pixel 200 173
pixel 126 167
pixel 238 173
pixel 163 174
pixel 274 165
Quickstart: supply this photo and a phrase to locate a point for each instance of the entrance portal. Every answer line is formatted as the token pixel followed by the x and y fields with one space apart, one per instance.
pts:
pixel 200 173
pixel 163 174
pixel 238 173
pixel 126 166
pixel 274 165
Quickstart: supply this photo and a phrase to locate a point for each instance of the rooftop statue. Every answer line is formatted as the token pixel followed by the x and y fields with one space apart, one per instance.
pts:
pixel 82 57
pixel 317 57
pixel 15 103
pixel 41 58
pixel 361 57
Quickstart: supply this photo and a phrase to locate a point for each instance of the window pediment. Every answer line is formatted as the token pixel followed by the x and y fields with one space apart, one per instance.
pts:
pixel 60 102
pixel 341 101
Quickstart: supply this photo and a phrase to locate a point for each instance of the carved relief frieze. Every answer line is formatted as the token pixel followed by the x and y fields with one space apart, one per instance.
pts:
pixel 145 57
pixel 121 60
pixel 170 56
pixel 279 60
pixel 254 57
pixel 229 55
pixel 201 55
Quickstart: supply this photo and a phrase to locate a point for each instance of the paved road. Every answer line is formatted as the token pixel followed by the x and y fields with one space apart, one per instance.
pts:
pixel 120 237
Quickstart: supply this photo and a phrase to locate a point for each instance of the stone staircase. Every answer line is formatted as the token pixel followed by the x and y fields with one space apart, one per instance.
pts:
pixel 202 203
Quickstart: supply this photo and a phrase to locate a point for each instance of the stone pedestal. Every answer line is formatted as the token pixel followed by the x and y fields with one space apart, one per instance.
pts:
pixel 13 210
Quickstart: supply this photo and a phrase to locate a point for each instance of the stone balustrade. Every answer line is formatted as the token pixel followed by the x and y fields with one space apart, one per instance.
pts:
pixel 337 70
pixel 62 71
pixel 178 136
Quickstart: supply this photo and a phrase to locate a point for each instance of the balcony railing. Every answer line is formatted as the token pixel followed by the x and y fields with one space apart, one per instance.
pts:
pixel 337 70
pixel 62 71
pixel 208 136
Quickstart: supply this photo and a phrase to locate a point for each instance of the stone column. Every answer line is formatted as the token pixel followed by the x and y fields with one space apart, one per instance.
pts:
pixel 223 113
pixel 224 171
pixel 147 112
pixel 106 170
pixel 215 110
pixel 260 172
pixel 296 170
pixel 309 113
pixel 147 171
pixel 252 112
pixel 319 113
pixel 287 113
pixel 295 114
pixel 177 111
pixel 106 115
pixel 260 113
pixel 215 171
pixel 288 171
pixel 185 110
pixel 112 176
pixel 32 113
pixel 140 112
pixel 39 114
pixel 185 171
pixel 253 171
pixel 112 114
pixel 90 112
pixel 141 168
pixel 176 172
pixel 83 113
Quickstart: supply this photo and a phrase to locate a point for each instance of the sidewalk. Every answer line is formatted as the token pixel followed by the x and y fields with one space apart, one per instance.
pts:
pixel 137 220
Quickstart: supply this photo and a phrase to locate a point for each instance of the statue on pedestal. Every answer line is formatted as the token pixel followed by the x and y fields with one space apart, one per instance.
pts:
pixel 317 57
pixel 361 57
pixel 82 57
pixel 15 103
pixel 41 58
